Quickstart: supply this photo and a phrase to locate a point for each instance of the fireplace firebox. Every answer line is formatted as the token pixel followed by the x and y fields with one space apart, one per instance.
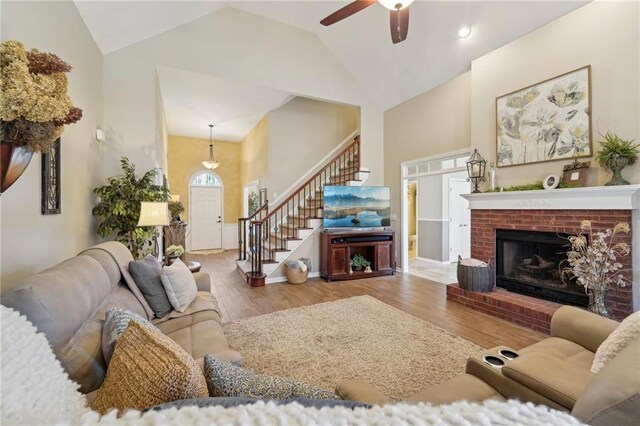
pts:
pixel 530 262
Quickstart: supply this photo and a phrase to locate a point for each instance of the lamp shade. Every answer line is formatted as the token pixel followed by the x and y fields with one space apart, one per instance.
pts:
pixel 154 214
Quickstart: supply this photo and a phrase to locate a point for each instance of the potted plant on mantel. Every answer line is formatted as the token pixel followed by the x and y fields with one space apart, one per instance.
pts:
pixel 34 106
pixel 615 154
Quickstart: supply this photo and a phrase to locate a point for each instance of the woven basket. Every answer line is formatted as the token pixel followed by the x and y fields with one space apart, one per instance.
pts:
pixel 475 278
pixel 295 275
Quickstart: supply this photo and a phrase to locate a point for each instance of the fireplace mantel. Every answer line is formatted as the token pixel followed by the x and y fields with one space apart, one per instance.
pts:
pixel 624 197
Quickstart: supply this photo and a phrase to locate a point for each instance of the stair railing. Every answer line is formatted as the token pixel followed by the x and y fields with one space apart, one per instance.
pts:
pixel 269 234
pixel 244 222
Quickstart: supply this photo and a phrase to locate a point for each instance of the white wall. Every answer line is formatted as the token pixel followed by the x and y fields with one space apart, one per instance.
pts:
pixel 301 133
pixel 228 44
pixel 602 34
pixel 32 242
pixel 435 122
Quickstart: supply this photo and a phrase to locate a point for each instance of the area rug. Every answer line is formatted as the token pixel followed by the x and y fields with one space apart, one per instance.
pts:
pixel 355 338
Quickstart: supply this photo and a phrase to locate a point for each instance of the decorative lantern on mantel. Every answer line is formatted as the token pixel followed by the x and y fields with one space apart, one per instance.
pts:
pixel 476 166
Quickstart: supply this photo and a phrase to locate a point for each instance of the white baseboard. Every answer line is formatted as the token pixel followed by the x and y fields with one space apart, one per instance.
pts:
pixel 282 278
pixel 399 269
pixel 442 262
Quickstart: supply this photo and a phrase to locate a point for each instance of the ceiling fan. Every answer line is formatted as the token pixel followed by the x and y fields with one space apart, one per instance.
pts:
pixel 399 17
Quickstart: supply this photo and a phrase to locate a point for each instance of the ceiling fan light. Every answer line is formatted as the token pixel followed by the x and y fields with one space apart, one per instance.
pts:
pixel 395 4
pixel 464 32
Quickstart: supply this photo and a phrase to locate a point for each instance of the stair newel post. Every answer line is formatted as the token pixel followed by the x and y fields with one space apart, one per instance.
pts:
pixel 241 226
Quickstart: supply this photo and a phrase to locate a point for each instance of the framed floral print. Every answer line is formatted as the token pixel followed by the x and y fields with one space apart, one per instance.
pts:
pixel 547 121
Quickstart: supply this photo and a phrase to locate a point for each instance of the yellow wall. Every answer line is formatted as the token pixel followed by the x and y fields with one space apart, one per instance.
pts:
pixel 254 151
pixel 185 156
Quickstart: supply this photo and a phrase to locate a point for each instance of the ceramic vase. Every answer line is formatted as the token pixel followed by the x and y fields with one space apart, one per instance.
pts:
pixel 617 179
pixel 14 160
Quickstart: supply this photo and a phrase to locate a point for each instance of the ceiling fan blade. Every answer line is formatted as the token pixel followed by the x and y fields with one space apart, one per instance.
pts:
pixel 347 11
pixel 399 24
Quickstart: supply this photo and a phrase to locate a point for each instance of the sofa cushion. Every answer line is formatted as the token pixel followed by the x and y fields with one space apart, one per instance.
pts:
pixel 146 273
pixel 121 255
pixel 115 324
pixel 613 396
pixel 197 337
pixel 179 284
pixel 562 349
pixel 463 387
pixel 225 379
pixel 628 330
pixel 559 380
pixel 204 301
pixel 147 369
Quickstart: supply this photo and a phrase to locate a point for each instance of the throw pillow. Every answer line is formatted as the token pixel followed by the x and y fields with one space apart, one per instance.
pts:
pixel 147 369
pixel 179 284
pixel 146 273
pixel 628 330
pixel 114 325
pixel 225 379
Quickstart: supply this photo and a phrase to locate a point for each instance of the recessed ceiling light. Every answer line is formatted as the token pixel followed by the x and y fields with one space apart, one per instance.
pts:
pixel 464 32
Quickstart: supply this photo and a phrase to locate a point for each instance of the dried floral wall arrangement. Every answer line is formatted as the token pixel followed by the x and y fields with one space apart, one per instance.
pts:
pixel 34 104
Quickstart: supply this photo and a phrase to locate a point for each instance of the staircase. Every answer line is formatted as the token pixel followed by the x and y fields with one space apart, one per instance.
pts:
pixel 271 235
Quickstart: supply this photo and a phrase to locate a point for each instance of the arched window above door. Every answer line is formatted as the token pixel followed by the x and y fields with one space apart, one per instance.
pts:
pixel 206 179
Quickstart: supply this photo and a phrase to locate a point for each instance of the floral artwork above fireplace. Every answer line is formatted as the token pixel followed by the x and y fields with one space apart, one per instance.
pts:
pixel 546 121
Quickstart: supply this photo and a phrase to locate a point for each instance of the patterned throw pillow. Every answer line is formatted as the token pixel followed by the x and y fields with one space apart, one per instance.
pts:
pixel 225 379
pixel 628 330
pixel 147 369
pixel 114 325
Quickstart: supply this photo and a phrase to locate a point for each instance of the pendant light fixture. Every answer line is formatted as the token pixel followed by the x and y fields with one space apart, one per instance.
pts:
pixel 211 163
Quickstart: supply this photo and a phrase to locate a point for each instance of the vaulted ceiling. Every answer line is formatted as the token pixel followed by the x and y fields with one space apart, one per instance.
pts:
pixel 388 73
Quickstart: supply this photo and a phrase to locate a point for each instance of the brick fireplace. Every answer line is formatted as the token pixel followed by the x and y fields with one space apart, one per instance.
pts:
pixel 547 213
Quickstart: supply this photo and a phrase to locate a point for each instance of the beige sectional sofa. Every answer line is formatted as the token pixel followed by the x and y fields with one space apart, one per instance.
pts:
pixel 69 301
pixel 554 372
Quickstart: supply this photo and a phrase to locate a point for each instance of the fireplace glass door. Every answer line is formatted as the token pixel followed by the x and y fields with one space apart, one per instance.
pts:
pixel 530 262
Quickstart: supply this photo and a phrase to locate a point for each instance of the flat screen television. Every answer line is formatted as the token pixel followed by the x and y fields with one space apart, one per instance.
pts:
pixel 356 207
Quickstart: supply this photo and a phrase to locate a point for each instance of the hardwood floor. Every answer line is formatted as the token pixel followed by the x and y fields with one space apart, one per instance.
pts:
pixel 417 296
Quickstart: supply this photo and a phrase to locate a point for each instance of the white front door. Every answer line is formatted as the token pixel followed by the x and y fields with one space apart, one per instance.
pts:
pixel 459 220
pixel 205 203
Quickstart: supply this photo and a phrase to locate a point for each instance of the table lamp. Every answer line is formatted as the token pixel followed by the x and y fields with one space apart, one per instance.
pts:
pixel 154 214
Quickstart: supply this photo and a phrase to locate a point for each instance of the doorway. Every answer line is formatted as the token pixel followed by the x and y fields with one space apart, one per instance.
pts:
pixel 439 182
pixel 205 211
pixel 459 219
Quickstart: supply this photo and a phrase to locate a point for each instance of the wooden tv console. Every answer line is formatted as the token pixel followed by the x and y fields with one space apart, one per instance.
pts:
pixel 338 248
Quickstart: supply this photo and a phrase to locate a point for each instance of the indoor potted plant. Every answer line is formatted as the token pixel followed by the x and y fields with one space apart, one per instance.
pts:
pixel 615 154
pixel 593 262
pixel 118 208
pixel 34 106
pixel 173 252
pixel 176 208
pixel 359 263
